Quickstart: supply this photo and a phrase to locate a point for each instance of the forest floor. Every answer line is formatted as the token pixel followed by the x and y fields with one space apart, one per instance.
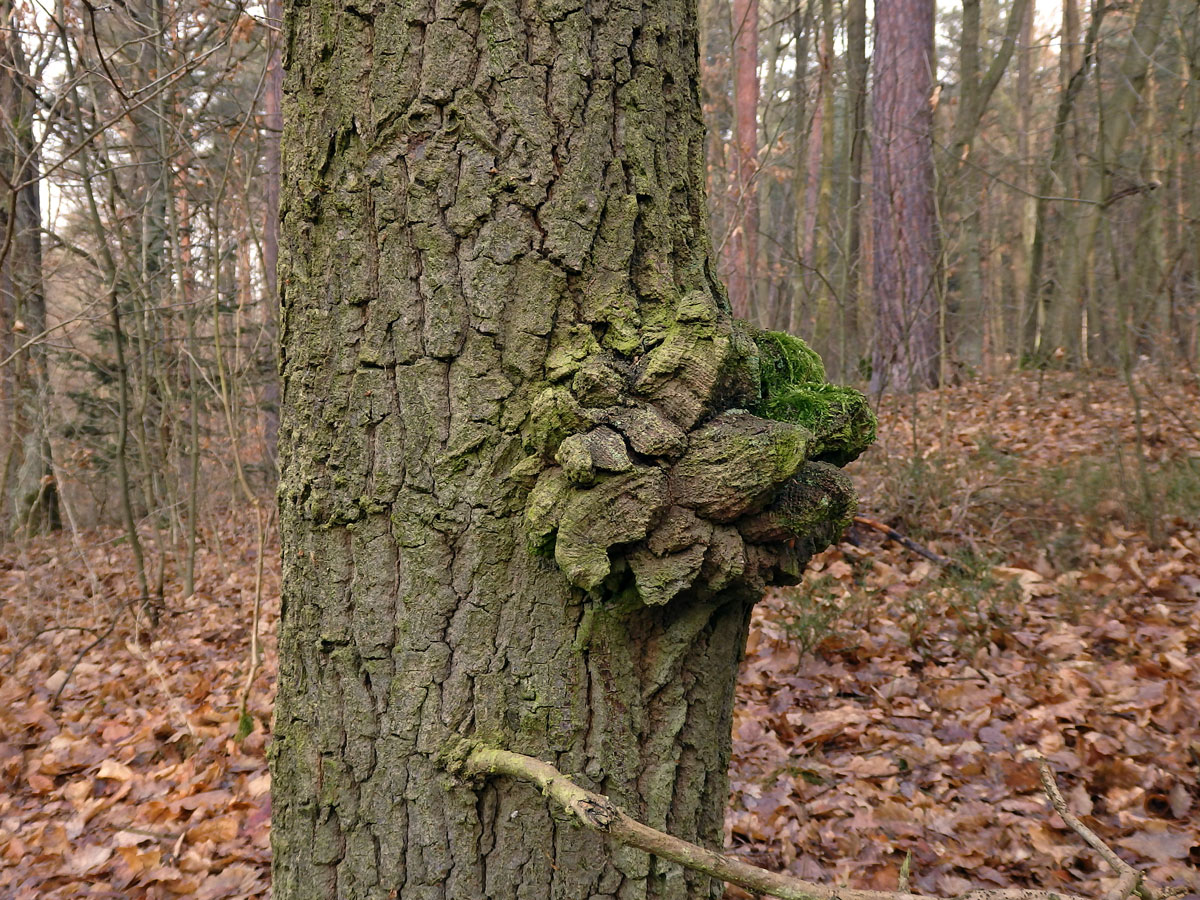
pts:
pixel 886 706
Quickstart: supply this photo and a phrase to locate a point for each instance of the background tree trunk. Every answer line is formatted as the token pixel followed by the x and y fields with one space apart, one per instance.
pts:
pixel 963 184
pixel 1116 114
pixel 799 310
pixel 28 492
pixel 905 234
pixel 1014 315
pixel 856 138
pixel 819 275
pixel 502 328
pixel 744 236
pixel 1036 342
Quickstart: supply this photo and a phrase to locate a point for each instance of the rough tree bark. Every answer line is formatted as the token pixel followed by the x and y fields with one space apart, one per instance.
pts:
pixel 905 251
pixel 533 474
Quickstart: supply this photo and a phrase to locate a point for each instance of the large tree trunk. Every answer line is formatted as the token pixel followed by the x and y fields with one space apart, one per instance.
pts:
pixel 905 250
pixel 522 502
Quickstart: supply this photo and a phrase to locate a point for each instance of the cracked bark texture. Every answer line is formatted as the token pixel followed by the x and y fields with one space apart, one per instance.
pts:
pixel 533 474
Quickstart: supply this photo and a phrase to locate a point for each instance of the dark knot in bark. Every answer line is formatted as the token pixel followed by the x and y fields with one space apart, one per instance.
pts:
pixel 709 459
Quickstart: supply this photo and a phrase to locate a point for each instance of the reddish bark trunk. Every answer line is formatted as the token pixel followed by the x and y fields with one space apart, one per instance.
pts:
pixel 906 240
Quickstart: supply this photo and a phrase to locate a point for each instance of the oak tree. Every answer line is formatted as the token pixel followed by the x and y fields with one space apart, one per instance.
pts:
pixel 534 475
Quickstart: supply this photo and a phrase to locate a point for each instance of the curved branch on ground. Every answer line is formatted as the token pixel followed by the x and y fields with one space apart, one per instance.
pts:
pixel 597 813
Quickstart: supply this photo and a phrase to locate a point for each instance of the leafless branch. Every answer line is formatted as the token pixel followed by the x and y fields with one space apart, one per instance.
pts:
pixel 597 813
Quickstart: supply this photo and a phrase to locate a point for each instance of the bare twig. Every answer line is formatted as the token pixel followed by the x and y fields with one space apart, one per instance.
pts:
pixel 79 658
pixel 255 662
pixel 1129 879
pixel 919 549
pixel 600 814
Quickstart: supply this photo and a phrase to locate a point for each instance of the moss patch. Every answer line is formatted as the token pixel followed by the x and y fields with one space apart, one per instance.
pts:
pixel 840 417
pixel 785 361
pixel 794 390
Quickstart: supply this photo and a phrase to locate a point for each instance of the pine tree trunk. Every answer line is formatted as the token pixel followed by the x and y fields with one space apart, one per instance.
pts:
pixel 522 502
pixel 905 250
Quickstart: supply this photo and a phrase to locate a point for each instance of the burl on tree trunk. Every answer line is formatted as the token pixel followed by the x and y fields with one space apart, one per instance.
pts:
pixel 534 475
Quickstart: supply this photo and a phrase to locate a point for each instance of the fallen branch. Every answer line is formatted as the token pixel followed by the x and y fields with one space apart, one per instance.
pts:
pixel 1130 879
pixel 598 813
pixel 79 658
pixel 920 549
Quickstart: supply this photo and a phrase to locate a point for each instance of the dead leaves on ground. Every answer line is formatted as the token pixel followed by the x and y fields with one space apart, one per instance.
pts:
pixel 882 708
pixel 131 784
pixel 904 729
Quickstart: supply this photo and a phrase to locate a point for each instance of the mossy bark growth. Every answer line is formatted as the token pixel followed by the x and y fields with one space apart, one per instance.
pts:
pixel 531 482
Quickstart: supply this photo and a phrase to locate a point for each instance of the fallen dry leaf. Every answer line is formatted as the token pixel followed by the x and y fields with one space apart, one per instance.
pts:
pixel 87 859
pixel 891 725
pixel 222 828
pixel 1160 845
pixel 110 768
